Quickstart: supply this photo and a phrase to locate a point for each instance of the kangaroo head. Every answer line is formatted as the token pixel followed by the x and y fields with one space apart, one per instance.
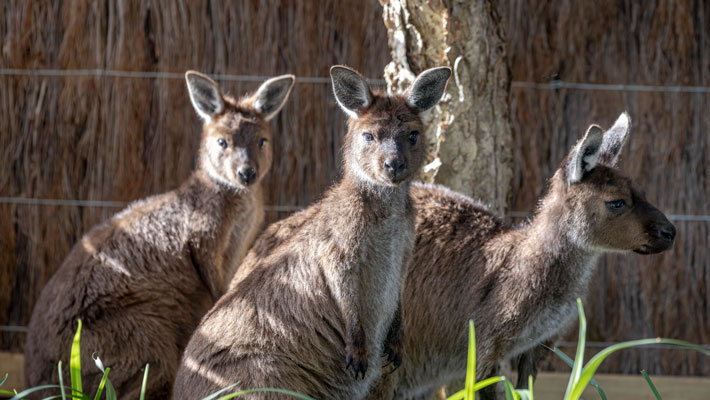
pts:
pixel 235 149
pixel 603 208
pixel 382 146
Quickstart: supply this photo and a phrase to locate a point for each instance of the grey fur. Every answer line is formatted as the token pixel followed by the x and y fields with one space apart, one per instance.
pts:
pixel 141 281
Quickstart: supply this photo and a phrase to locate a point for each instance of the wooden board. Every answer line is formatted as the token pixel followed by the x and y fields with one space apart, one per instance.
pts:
pixel 551 386
pixel 12 364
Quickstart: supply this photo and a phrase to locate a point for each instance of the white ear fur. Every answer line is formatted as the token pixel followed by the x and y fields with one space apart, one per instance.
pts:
pixel 427 89
pixel 351 91
pixel 205 95
pixel 272 94
pixel 614 140
pixel 586 154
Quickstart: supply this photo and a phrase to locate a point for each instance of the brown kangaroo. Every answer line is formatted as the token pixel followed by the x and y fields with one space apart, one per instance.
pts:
pixel 141 281
pixel 319 291
pixel 519 285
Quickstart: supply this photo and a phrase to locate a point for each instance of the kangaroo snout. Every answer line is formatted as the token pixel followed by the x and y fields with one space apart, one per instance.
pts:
pixel 395 167
pixel 661 235
pixel 247 175
pixel 667 233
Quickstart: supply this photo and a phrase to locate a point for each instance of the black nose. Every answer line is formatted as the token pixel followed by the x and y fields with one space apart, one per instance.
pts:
pixel 247 175
pixel 667 232
pixel 394 165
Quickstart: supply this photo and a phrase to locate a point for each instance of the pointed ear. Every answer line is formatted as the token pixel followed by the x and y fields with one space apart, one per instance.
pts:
pixel 272 95
pixel 614 140
pixel 427 89
pixel 585 155
pixel 204 95
pixel 351 90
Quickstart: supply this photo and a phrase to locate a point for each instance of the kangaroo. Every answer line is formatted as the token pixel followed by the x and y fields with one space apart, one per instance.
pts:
pixel 518 285
pixel 141 281
pixel 319 292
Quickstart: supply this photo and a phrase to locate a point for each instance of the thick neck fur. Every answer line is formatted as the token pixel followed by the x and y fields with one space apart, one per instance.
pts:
pixel 546 255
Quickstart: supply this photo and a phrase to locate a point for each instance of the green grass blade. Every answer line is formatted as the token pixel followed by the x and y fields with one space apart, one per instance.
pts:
pixel 61 381
pixel 651 385
pixel 530 387
pixel 217 393
pixel 461 394
pixel 24 393
pixel 524 394
pixel 510 393
pixel 110 391
pixel 102 384
pixel 591 368
pixel 3 380
pixel 104 378
pixel 471 362
pixel 282 391
pixel 75 362
pixel 579 358
pixel 145 382
pixel 570 362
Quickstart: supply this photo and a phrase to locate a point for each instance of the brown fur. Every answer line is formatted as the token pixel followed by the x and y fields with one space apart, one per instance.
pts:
pixel 319 291
pixel 518 285
pixel 141 281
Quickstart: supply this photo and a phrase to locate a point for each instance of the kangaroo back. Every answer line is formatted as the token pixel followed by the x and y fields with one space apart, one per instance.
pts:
pixel 519 285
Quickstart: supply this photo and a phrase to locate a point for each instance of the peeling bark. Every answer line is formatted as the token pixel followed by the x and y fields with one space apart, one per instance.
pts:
pixel 469 133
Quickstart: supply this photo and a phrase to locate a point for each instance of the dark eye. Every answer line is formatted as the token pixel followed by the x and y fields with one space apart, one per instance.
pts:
pixel 413 137
pixel 615 205
pixel 222 143
pixel 262 142
pixel 368 137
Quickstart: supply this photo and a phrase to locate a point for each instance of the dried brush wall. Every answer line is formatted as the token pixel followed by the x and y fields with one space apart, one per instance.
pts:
pixel 648 43
pixel 109 138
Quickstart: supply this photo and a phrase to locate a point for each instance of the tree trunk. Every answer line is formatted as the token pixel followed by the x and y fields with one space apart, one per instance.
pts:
pixel 469 132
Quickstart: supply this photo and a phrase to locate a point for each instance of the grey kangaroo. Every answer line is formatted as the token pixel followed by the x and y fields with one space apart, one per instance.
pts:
pixel 141 281
pixel 319 292
pixel 518 285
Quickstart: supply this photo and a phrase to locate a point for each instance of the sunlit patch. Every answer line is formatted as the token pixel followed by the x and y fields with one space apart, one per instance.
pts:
pixel 114 264
pixel 194 366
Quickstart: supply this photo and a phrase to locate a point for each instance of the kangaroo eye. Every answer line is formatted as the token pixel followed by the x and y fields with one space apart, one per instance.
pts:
pixel 222 143
pixel 413 137
pixel 262 142
pixel 615 205
pixel 368 137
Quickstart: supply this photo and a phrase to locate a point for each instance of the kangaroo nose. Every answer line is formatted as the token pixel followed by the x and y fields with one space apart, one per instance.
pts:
pixel 667 232
pixel 394 165
pixel 247 175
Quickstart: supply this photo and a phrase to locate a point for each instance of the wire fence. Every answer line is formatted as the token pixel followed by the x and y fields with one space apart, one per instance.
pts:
pixel 551 85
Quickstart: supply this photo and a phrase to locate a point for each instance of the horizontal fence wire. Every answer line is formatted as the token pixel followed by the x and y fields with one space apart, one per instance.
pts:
pixel 278 208
pixel 551 85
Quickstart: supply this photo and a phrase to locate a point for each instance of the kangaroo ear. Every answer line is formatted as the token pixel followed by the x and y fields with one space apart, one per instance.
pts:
pixel 272 95
pixel 614 140
pixel 585 155
pixel 204 95
pixel 427 89
pixel 351 90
